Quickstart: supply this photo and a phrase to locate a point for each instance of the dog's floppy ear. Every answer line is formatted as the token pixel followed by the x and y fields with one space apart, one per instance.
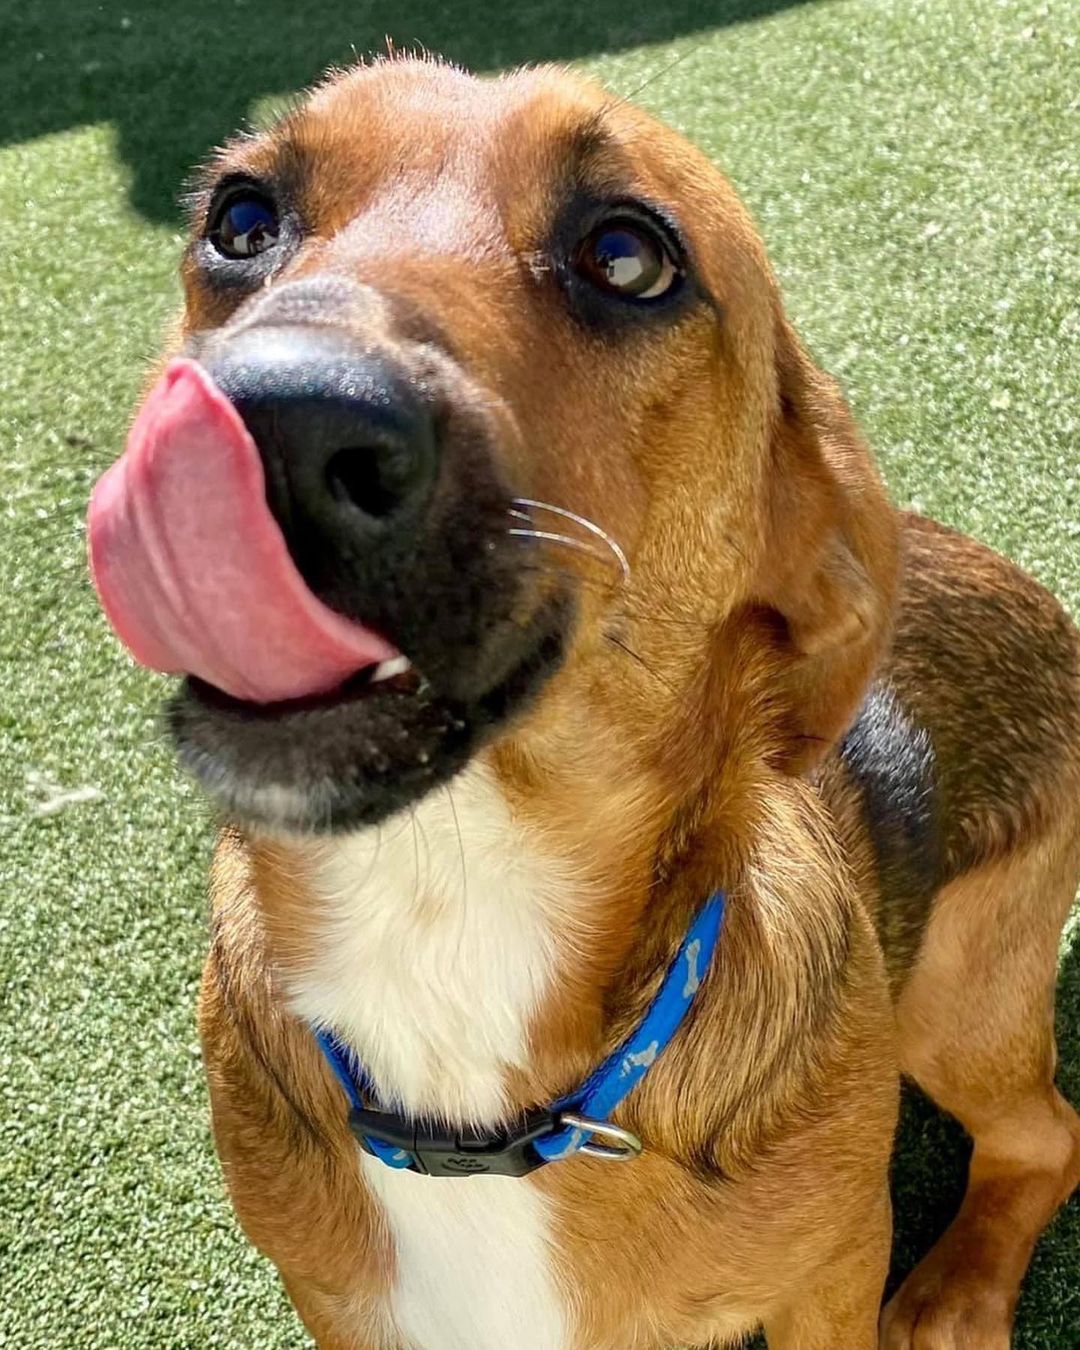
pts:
pixel 831 559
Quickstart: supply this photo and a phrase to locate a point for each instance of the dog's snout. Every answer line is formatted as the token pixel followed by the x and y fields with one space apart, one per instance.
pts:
pixel 347 438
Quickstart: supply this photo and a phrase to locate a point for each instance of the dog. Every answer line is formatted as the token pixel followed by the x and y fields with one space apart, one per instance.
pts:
pixel 604 760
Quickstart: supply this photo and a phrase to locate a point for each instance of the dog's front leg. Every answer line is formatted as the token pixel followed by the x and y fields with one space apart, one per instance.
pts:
pixel 334 1325
pixel 839 1309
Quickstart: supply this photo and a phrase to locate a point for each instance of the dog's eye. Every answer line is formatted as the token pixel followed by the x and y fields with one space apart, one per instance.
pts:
pixel 245 224
pixel 627 257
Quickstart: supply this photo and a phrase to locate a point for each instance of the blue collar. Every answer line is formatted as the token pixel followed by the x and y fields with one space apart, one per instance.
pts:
pixel 570 1125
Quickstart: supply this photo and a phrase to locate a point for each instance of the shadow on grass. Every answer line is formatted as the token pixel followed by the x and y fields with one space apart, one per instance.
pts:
pixel 176 79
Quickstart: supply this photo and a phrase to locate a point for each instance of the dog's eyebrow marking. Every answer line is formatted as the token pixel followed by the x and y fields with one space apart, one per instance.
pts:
pixel 273 158
pixel 581 151
pixel 588 140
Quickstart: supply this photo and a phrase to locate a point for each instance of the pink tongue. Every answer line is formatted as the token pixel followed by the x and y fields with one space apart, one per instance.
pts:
pixel 191 567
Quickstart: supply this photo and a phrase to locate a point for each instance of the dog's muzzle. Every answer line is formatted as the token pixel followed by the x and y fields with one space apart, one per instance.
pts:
pixel 312 522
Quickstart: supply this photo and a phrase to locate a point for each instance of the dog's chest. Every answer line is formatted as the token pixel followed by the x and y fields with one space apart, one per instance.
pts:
pixel 436 939
pixel 474 1262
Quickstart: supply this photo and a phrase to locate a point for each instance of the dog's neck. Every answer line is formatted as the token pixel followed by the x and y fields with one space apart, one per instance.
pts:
pixel 479 962
pixel 431 944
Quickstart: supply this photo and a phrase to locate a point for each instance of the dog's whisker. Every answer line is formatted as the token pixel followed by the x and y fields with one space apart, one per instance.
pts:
pixel 463 908
pixel 577 544
pixel 460 842
pixel 586 524
pixel 416 855
pixel 645 665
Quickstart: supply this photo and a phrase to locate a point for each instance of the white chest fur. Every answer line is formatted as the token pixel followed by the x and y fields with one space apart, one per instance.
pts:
pixel 435 942
pixel 473 1262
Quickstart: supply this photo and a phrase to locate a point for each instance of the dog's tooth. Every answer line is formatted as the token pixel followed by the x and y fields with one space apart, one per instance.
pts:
pixel 386 670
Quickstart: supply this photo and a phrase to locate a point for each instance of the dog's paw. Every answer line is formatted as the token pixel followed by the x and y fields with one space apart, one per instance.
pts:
pixel 943 1306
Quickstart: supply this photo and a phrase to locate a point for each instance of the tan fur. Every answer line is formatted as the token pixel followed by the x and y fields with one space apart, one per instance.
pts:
pixel 671 755
pixel 989 1060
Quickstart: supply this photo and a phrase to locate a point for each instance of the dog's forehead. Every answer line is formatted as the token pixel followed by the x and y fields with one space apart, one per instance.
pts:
pixel 424 116
pixel 410 136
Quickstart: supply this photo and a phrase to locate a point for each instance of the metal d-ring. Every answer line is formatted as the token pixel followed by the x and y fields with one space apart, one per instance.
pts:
pixel 629 1145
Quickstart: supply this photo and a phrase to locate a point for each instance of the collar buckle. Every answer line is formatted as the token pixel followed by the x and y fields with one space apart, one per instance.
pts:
pixel 437 1152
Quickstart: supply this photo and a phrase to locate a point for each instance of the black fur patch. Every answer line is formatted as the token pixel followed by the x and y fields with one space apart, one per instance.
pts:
pixel 890 761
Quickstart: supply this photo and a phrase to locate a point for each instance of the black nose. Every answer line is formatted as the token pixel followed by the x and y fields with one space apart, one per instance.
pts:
pixel 347 440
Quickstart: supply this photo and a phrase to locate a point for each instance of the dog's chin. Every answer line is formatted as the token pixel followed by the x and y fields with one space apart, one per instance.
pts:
pixel 351 758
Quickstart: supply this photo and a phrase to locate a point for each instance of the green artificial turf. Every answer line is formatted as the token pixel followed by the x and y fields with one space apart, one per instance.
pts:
pixel 913 165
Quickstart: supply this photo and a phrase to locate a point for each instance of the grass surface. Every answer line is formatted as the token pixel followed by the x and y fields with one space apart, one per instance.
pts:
pixel 914 169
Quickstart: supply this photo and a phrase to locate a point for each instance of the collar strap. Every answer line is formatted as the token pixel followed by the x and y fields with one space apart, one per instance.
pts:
pixel 550 1134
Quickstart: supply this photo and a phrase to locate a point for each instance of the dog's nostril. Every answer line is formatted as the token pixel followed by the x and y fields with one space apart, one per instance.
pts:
pixel 374 479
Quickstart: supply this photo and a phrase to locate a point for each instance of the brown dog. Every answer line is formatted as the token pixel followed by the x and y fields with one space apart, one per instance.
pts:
pixel 638 623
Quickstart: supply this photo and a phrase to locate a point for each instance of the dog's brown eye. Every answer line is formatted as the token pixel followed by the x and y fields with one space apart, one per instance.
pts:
pixel 628 258
pixel 246 224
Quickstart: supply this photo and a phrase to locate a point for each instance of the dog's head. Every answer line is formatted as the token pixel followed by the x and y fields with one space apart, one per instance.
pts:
pixel 489 432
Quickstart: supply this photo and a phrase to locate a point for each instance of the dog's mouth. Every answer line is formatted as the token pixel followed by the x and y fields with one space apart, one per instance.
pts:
pixel 353 756
pixel 289 598
pixel 395 676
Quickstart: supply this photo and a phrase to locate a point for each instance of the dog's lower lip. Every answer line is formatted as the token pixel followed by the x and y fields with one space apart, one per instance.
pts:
pixel 397 673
